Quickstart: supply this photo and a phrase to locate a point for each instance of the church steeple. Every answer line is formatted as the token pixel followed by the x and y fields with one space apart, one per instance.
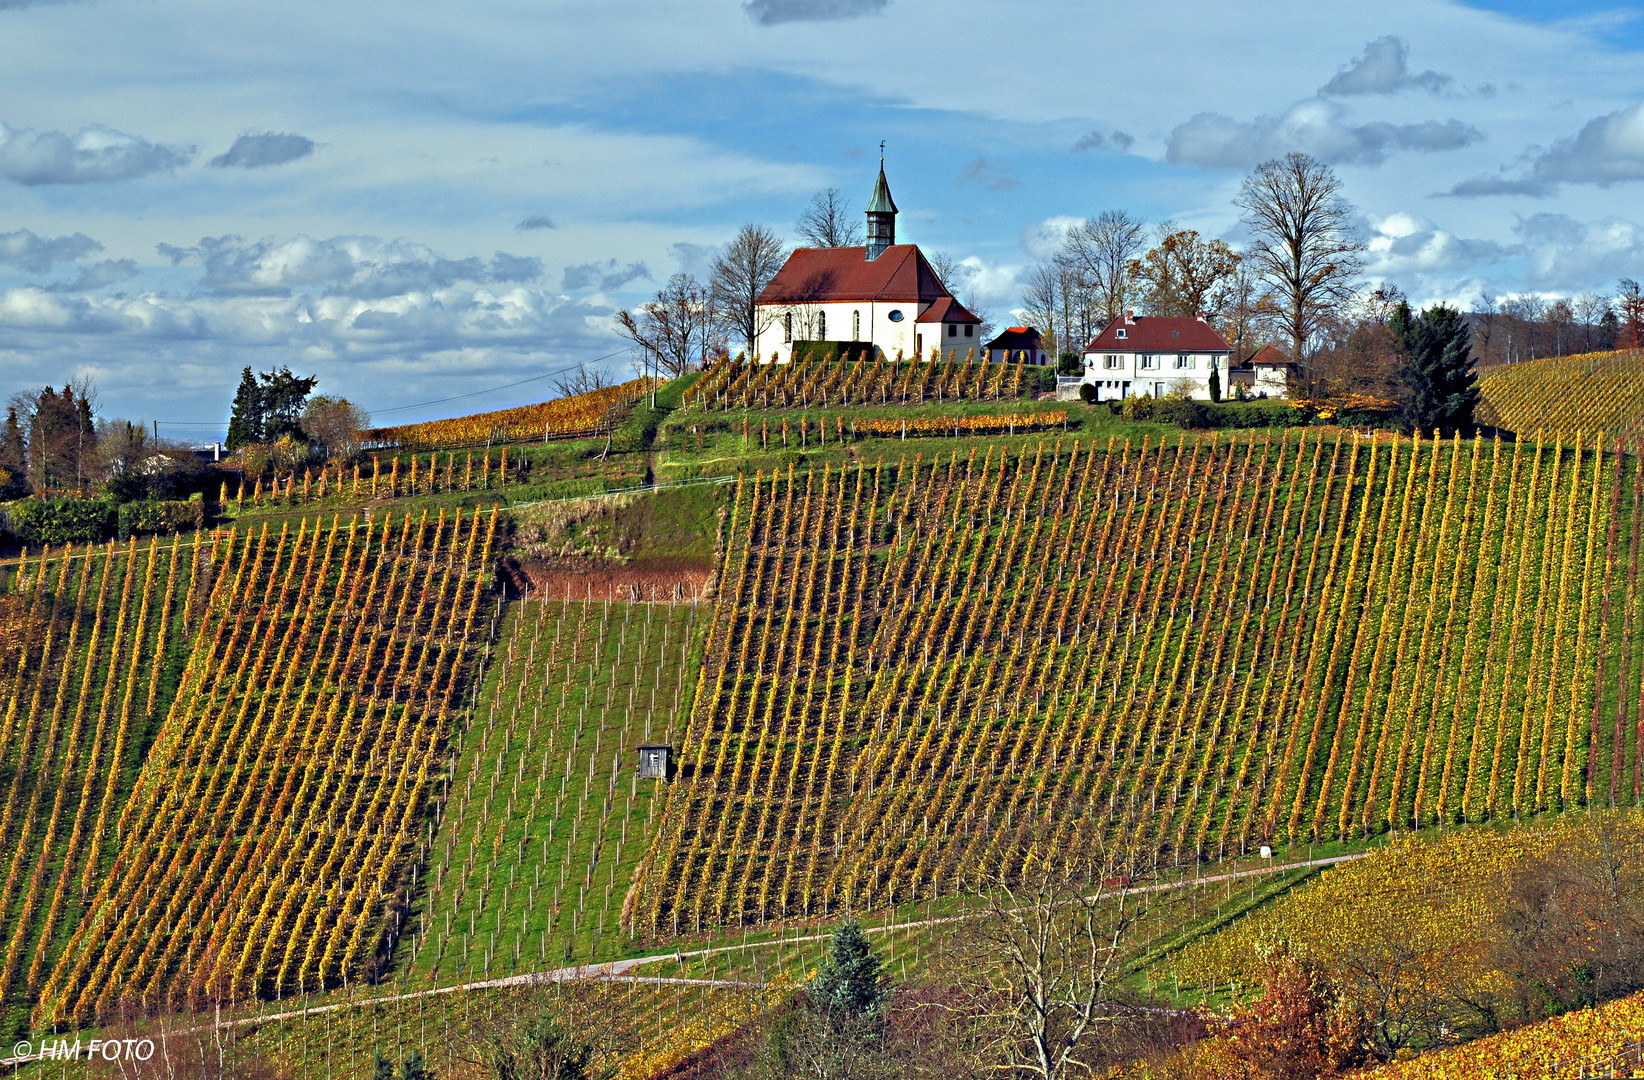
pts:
pixel 881 216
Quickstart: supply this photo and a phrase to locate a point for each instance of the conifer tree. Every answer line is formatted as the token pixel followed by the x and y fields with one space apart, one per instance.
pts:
pixel 13 457
pixel 847 984
pixel 1439 380
pixel 245 421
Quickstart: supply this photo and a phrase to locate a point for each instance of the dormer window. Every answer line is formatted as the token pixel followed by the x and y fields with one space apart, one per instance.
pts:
pixel 1121 331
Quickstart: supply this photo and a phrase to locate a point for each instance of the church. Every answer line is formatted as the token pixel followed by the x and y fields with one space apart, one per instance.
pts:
pixel 883 294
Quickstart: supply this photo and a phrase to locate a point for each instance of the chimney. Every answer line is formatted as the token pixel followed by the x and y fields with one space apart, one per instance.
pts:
pixel 1199 315
pixel 1130 318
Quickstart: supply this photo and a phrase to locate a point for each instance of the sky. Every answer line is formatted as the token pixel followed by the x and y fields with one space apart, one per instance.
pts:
pixel 433 206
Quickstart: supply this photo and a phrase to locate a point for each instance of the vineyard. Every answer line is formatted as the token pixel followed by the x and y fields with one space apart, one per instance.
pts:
pixel 739 384
pixel 1190 647
pixel 352 483
pixel 274 826
pixel 581 415
pixel 1603 1041
pixel 93 640
pixel 546 819
pixel 1594 392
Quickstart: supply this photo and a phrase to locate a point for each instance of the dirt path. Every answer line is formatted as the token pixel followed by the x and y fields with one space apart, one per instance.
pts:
pixel 624 970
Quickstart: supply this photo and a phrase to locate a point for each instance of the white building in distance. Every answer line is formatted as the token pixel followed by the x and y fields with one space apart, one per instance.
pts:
pixel 1155 355
pixel 883 296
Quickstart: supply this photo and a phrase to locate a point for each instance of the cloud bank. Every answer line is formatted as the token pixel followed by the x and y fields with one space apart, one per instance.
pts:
pixel 38 254
pixel 1315 126
pixel 1383 69
pixel 94 154
pixel 1607 150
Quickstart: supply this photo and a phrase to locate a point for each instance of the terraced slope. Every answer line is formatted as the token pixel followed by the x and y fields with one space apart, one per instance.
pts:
pixel 1191 648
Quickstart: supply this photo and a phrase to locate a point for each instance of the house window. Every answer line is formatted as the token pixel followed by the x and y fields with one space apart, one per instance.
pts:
pixel 1121 332
pixel 1184 361
pixel 856 326
pixel 787 329
pixel 821 326
pixel 953 329
pixel 1149 361
pixel 970 331
pixel 1113 360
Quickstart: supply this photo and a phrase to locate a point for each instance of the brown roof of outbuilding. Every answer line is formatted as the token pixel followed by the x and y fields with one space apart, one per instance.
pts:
pixel 824 275
pixel 1270 355
pixel 1158 333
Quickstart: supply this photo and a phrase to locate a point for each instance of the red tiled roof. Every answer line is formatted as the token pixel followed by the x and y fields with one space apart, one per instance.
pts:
pixel 823 275
pixel 946 309
pixel 1018 337
pixel 1270 354
pixel 1158 333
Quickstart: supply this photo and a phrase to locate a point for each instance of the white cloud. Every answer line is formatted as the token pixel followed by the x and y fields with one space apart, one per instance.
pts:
pixel 1383 70
pixel 1607 150
pixel 363 266
pixel 1568 255
pixel 94 154
pixel 1044 238
pixel 1402 245
pixel 1315 126
pixel 38 254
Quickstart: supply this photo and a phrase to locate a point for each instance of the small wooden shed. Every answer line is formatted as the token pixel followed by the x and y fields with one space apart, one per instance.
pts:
pixel 655 761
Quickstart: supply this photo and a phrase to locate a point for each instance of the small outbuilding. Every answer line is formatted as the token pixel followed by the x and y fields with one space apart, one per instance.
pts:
pixel 655 761
pixel 1018 345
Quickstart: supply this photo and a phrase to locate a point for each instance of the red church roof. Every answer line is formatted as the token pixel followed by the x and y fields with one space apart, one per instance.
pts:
pixel 946 309
pixel 830 275
pixel 1158 333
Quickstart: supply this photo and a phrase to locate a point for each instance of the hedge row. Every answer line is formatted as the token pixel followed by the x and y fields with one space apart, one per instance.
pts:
pixel 39 522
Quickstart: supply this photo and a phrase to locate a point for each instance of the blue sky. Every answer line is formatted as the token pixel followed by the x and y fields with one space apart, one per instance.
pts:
pixel 420 201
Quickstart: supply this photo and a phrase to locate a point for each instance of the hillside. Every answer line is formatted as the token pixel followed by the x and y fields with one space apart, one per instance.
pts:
pixel 1594 392
pixel 394 744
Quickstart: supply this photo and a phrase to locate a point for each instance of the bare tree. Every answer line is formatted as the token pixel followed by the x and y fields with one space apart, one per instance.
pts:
pixel 1304 243
pixel 739 275
pixel 1523 325
pixel 1589 311
pixel 1046 957
pixel 1486 313
pixel 828 222
pixel 582 379
pixel 1103 251
pixel 1042 303
pixel 675 329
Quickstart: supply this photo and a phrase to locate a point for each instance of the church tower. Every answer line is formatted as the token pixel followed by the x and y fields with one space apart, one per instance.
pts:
pixel 881 217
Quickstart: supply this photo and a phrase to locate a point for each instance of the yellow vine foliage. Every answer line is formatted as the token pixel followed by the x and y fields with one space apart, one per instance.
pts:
pixel 707 1026
pixel 1591 1036
pixel 1437 894
pixel 1590 392
pixel 577 415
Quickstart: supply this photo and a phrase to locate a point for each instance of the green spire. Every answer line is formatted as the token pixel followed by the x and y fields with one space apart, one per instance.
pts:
pixel 881 202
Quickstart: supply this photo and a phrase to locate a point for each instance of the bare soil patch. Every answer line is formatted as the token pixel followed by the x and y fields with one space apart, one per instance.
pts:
pixel 662 581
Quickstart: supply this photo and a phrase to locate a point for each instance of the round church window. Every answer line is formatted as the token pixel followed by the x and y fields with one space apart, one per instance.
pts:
pixel 895 316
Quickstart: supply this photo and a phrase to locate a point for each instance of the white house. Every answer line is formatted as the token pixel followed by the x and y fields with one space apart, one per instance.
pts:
pixel 1265 375
pixel 882 294
pixel 1156 355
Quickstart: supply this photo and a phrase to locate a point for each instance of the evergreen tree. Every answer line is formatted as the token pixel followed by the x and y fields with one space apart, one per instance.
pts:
pixel 1437 375
pixel 245 422
pixel 13 458
pixel 847 984
pixel 1215 384
pixel 415 1068
pixel 1609 329
pixel 282 396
